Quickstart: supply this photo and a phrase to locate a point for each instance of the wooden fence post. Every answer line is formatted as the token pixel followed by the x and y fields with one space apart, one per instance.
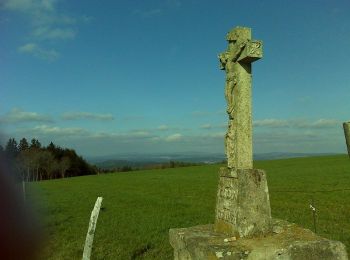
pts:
pixel 91 231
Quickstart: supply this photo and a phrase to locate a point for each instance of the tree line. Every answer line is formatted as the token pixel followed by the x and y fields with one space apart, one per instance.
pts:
pixel 34 162
pixel 152 166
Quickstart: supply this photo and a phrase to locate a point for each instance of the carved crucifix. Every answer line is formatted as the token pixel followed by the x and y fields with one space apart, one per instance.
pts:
pixel 236 61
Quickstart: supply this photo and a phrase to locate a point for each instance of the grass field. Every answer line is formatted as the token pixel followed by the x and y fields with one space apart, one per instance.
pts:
pixel 140 207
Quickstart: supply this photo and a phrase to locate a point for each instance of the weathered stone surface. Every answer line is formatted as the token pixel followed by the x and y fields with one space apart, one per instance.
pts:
pixel 236 61
pixel 346 127
pixel 288 242
pixel 243 227
pixel 242 205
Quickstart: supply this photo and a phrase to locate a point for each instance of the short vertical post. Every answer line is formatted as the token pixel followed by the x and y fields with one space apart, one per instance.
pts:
pixel 313 208
pixel 346 126
pixel 91 231
pixel 24 189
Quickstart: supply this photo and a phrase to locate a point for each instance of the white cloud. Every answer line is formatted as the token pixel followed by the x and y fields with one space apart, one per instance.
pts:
pixel 163 127
pixel 29 5
pixel 164 6
pixel 325 123
pixel 301 140
pixel 297 123
pixel 46 24
pixel 28 48
pixel 200 113
pixel 137 134
pixel 148 13
pixel 54 33
pixel 173 3
pixel 37 51
pixel 271 123
pixel 17 115
pixel 87 115
pixel 126 136
pixel 174 137
pixel 216 135
pixel 58 131
pixel 206 126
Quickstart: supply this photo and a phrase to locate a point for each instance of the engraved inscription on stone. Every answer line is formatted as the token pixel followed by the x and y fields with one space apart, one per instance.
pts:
pixel 226 215
pixel 254 48
pixel 227 194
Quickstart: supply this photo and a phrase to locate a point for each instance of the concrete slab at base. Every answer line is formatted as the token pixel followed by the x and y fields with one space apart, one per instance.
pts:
pixel 287 241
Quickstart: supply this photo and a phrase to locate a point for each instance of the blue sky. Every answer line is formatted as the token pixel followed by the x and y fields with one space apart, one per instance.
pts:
pixel 143 77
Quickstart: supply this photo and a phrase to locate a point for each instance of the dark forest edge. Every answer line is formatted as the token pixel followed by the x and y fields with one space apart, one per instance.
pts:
pixel 34 162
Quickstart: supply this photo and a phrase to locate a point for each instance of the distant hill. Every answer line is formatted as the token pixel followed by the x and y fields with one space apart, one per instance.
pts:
pixel 139 160
pixel 281 155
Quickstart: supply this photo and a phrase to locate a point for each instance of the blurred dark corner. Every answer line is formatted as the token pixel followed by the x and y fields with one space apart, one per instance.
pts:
pixel 19 232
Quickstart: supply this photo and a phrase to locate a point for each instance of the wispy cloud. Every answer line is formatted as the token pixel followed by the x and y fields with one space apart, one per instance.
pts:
pixel 46 24
pixel 17 115
pixel 304 99
pixel 38 52
pixel 158 10
pixel 163 128
pixel 148 141
pixel 174 3
pixel 206 126
pixel 29 5
pixel 46 32
pixel 58 131
pixel 199 113
pixel 297 123
pixel 271 123
pixel 148 13
pixel 174 137
pixel 87 116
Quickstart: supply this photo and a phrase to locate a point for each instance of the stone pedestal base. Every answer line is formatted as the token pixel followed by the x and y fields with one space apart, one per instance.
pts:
pixel 287 241
pixel 242 205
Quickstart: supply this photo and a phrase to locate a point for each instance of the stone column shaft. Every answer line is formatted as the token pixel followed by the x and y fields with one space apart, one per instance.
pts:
pixel 243 148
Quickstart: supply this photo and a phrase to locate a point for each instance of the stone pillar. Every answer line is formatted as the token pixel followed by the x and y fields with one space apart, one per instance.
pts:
pixel 243 116
pixel 242 206
pixel 346 126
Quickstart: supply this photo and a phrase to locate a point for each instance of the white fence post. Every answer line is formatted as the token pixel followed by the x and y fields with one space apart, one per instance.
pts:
pixel 91 231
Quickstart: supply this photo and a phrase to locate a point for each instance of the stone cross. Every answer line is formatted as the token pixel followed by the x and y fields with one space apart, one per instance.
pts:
pixel 346 126
pixel 236 61
pixel 242 206
pixel 243 227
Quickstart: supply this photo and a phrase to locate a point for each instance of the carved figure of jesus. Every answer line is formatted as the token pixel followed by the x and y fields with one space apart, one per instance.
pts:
pixel 227 61
pixel 236 61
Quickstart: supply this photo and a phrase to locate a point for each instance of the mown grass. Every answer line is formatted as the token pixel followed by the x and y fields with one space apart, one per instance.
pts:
pixel 140 207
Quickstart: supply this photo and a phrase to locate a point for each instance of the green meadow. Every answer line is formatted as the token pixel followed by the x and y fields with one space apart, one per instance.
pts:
pixel 140 207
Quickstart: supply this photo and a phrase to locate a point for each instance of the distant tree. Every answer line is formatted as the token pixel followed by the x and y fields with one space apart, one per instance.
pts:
pixel 35 143
pixel 51 147
pixel 11 148
pixel 32 162
pixel 34 155
pixel 126 168
pixel 47 164
pixel 23 145
pixel 64 165
pixel 26 164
